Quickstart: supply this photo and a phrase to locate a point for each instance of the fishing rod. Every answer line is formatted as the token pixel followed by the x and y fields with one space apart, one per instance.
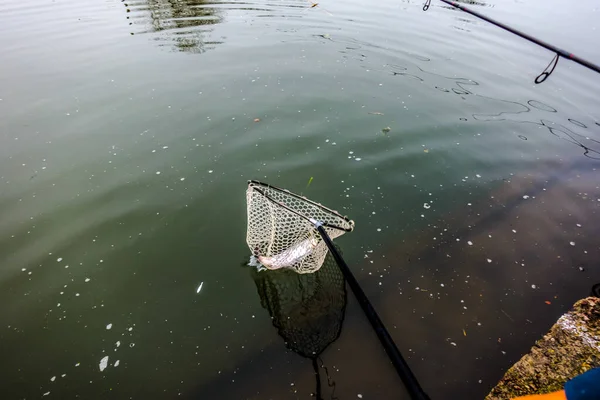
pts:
pixel 559 52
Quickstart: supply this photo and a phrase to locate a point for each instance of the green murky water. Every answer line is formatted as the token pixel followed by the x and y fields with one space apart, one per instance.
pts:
pixel 128 131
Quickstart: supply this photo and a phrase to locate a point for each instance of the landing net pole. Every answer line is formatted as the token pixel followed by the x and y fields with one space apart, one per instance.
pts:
pixel 404 371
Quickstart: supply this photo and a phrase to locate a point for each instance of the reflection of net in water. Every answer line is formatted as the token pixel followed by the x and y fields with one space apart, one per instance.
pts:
pixel 307 309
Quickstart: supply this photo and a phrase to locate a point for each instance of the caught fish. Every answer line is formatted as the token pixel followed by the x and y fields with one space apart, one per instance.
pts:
pixel 290 256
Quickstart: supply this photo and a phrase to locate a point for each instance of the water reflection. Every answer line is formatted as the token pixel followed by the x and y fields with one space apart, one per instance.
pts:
pixel 307 310
pixel 185 25
pixel 188 25
pixel 512 111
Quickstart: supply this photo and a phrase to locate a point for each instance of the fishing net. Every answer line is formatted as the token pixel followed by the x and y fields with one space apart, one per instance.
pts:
pixel 281 228
pixel 307 310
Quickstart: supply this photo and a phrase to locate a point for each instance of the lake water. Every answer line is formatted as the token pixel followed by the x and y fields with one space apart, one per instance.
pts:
pixel 128 130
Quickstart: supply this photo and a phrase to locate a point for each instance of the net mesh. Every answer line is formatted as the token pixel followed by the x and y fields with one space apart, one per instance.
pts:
pixel 280 232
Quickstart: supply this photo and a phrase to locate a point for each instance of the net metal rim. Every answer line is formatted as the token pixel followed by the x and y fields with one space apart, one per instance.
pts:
pixel 257 185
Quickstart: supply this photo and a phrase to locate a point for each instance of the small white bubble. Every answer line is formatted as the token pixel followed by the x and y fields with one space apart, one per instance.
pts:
pixel 59 259
pixel 53 379
pixel 572 243
pixel 470 243
pixel 108 326
pixel 426 206
pixel 378 229
pixel 157 172
pixel 87 279
pixel 210 171
pixel 533 287
pixel 525 197
pixel 182 179
pixel 489 260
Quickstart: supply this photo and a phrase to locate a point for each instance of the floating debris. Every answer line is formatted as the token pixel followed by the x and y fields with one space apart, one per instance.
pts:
pixel 103 363
pixel 386 130
pixel 199 287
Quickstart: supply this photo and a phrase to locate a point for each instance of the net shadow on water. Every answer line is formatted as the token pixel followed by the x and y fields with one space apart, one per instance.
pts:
pixel 307 310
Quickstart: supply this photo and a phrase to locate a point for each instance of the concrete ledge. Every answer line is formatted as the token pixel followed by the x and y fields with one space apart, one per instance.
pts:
pixel 570 348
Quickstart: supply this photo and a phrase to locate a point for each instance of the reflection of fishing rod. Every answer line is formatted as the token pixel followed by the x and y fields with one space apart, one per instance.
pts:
pixel 559 52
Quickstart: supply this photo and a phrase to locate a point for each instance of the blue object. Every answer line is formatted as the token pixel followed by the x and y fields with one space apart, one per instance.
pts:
pixel 585 386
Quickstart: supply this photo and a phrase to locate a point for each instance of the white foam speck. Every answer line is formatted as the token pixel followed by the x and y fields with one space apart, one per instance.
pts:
pixel 470 243
pixel 87 279
pixel 103 363
pixel 53 379
pixel 358 158
pixel 130 329
pixel 477 175
pixel 118 343
pixel 426 206
pixel 441 284
pixel 533 287
pixel 210 171
pixel 378 229
pixel 182 179
pixel 59 259
pixel 525 197
pixel 108 326
pixel 489 260
pixel 46 394
pixel 78 364
pixel 165 147
pixel 117 363
pixel 199 287
pixel 157 172
pixel 579 225
pixel 572 243
pixel 514 231
pixel 359 396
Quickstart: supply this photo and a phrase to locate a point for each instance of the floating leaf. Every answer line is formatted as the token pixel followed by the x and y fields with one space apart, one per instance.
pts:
pixel 309 182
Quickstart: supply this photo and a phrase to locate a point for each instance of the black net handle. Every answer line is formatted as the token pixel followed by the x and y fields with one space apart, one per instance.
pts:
pixel 401 366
